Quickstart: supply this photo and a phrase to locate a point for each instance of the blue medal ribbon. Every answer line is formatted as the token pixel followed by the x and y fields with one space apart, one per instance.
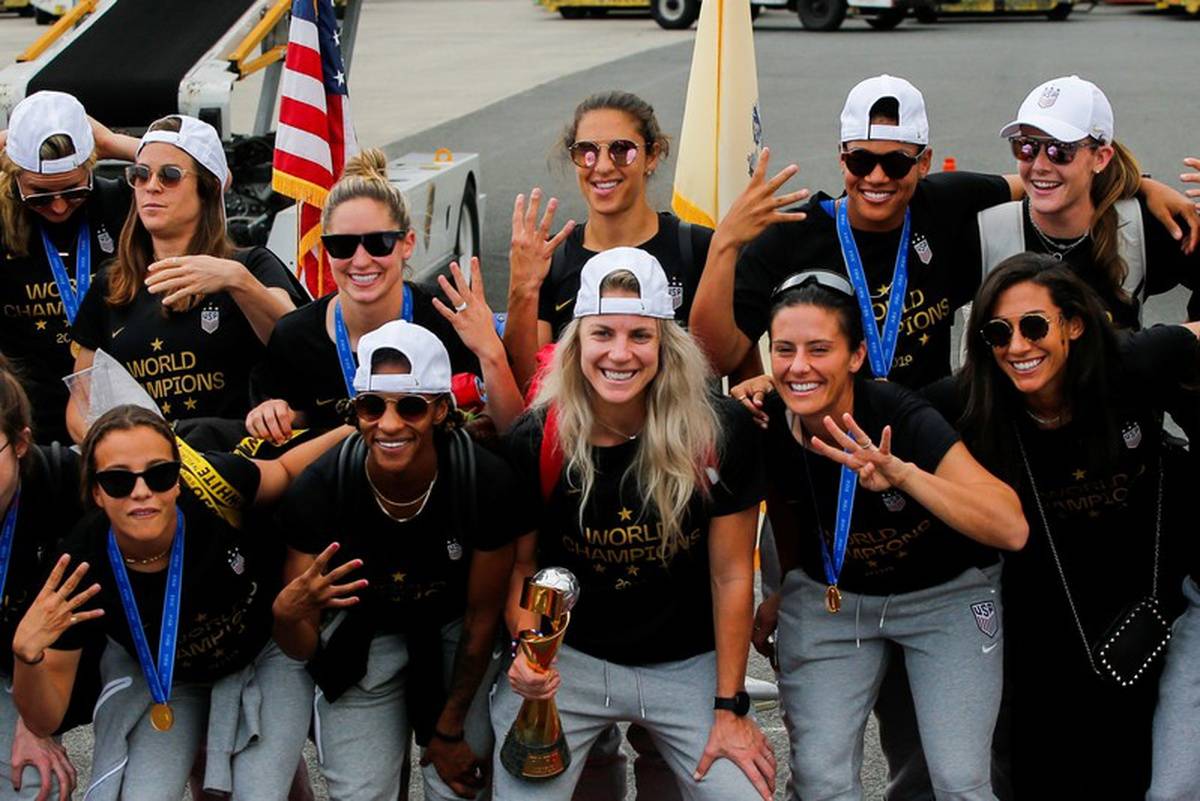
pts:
pixel 158 679
pixel 342 338
pixel 83 269
pixel 841 532
pixel 6 540
pixel 881 348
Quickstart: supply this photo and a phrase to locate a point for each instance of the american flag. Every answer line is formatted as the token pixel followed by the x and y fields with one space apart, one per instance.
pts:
pixel 315 135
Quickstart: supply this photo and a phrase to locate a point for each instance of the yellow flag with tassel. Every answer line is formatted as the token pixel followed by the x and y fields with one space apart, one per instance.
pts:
pixel 722 127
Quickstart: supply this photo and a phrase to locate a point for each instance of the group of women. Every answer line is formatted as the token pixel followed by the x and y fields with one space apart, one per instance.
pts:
pixel 992 559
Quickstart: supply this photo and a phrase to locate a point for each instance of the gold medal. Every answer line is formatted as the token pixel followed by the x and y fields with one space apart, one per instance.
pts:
pixel 833 599
pixel 74 350
pixel 161 717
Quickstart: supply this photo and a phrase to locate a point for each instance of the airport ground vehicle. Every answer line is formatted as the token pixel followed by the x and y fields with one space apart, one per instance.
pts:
pixel 818 15
pixel 216 44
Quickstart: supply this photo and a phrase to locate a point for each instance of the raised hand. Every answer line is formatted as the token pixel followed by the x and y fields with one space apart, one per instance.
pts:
pixel 878 469
pixel 469 312
pixel 531 247
pixel 1192 178
pixel 758 207
pixel 751 393
pixel 315 589
pixel 54 610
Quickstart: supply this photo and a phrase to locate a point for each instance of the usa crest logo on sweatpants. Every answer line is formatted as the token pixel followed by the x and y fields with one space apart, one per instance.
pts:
pixel 985 617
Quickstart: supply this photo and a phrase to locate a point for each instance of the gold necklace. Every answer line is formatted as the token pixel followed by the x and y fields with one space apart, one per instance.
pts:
pixel 381 499
pixel 617 431
pixel 149 560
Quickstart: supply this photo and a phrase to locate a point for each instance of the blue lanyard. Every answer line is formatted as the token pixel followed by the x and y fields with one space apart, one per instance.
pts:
pixel 841 533
pixel 159 680
pixel 881 348
pixel 6 540
pixel 83 269
pixel 342 338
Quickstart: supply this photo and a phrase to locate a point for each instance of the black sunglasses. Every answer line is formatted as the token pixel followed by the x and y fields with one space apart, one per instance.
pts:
pixel 896 163
pixel 376 243
pixel 118 483
pixel 370 407
pixel 39 200
pixel 998 332
pixel 1026 148
pixel 825 278
pixel 622 152
pixel 169 175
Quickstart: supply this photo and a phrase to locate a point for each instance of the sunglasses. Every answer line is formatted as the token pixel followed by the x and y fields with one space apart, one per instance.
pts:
pixel 998 332
pixel 376 243
pixel 169 175
pixel 896 163
pixel 119 483
pixel 39 200
pixel 622 152
pixel 824 278
pixel 1026 148
pixel 370 407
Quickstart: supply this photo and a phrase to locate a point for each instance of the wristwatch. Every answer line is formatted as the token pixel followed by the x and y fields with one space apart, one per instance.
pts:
pixel 739 704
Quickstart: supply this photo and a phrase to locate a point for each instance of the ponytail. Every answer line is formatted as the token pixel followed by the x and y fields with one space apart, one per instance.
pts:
pixel 1121 179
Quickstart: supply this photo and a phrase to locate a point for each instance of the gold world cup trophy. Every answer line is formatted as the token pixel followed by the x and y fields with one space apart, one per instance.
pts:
pixel 535 747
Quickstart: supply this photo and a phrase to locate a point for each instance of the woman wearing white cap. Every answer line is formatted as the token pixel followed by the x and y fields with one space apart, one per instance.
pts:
pixel 179 307
pixel 58 222
pixel 647 490
pixel 400 550
pixel 184 578
pixel 310 360
pixel 1084 203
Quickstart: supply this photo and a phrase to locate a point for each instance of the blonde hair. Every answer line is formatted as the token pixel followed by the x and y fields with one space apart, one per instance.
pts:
pixel 366 176
pixel 16 221
pixel 681 434
pixel 1121 179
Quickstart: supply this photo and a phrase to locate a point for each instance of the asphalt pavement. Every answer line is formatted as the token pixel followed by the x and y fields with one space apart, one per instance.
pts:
pixel 502 77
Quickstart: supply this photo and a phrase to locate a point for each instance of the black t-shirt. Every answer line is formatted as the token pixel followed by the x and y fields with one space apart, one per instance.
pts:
pixel 895 544
pixel 301 364
pixel 557 297
pixel 1166 265
pixel 230 576
pixel 633 609
pixel 417 570
pixel 195 363
pixel 34 332
pixel 49 508
pixel 939 281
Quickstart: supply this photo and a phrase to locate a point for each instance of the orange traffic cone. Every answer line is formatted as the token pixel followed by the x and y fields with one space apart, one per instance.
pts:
pixel 949 164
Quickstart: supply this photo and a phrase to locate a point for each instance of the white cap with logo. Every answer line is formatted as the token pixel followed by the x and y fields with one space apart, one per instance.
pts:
pixel 1068 109
pixel 427 357
pixel 41 116
pixel 654 294
pixel 196 138
pixel 913 125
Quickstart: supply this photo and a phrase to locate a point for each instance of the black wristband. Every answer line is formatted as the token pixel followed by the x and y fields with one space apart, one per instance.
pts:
pixel 448 738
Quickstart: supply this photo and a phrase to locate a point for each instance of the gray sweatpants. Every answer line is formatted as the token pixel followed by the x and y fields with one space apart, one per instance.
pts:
pixel 672 701
pixel 1176 775
pixel 266 717
pixel 31 781
pixel 363 736
pixel 831 667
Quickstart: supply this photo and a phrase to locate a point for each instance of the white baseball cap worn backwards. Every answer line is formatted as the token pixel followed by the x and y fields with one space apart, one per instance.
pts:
pixel 41 116
pixel 1068 109
pixel 430 363
pixel 199 140
pixel 913 125
pixel 654 295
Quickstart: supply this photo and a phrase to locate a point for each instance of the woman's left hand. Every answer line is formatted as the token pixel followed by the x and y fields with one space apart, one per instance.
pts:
pixel 740 740
pixel 878 469
pixel 47 757
pixel 183 280
pixel 471 316
pixel 457 765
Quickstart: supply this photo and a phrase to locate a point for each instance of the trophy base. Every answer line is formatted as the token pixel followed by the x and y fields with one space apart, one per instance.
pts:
pixel 535 763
